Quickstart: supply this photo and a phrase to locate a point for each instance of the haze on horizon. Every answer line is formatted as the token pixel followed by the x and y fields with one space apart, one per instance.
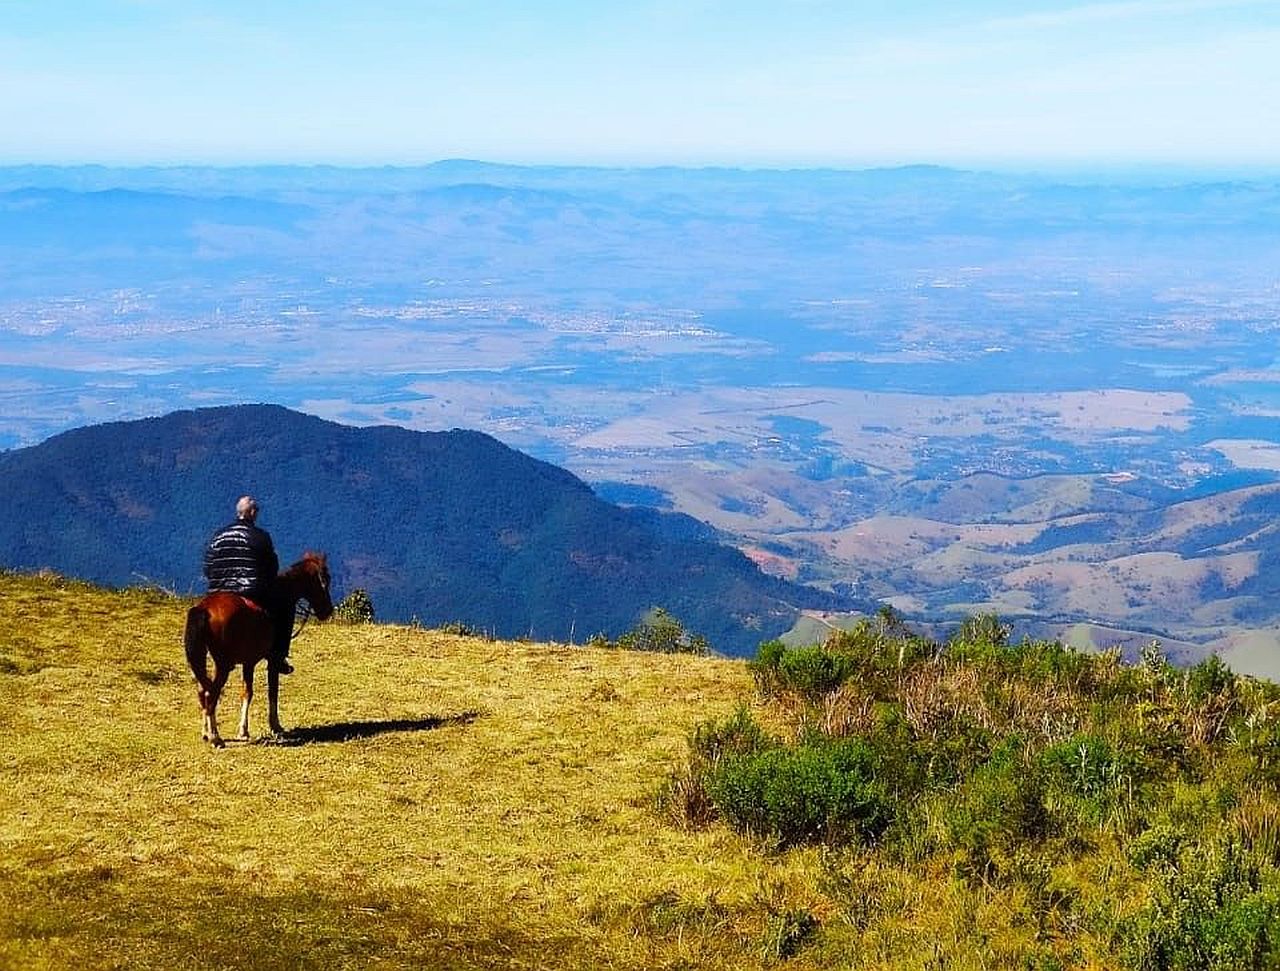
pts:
pixel 803 82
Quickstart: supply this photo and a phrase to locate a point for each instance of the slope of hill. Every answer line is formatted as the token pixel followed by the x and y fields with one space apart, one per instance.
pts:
pixel 444 802
pixel 438 526
pixel 1067 550
pixel 459 803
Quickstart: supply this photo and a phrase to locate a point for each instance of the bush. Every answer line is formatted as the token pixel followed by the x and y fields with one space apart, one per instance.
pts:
pixel 811 673
pixel 684 796
pixel 1257 736
pixel 1027 769
pixel 819 791
pixel 1210 678
pixel 739 734
pixel 766 668
pixel 956 752
pixel 1218 911
pixel 878 650
pixel 662 633
pixel 1156 848
pixel 996 810
pixel 983 641
pixel 355 608
pixel 1087 779
pixel 983 629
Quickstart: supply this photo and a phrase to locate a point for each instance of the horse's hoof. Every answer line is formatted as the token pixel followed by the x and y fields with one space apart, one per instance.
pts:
pixel 217 742
pixel 243 738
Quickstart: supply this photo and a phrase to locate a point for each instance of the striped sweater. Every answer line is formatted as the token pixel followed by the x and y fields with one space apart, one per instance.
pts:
pixel 241 559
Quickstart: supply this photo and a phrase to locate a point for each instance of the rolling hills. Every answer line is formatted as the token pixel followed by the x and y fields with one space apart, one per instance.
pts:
pixel 1055 551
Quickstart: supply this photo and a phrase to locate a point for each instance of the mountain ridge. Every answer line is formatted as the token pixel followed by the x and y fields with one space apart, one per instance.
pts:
pixel 437 526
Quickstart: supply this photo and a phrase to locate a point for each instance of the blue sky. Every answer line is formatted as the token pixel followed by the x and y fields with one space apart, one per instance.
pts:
pixel 789 82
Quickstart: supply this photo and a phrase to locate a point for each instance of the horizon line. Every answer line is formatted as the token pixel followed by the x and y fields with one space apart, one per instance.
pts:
pixel 1062 167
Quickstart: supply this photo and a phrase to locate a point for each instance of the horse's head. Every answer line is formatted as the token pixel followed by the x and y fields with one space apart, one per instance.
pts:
pixel 313 569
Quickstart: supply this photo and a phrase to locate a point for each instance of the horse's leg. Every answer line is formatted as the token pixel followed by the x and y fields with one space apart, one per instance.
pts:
pixel 215 692
pixel 204 712
pixel 273 700
pixel 246 696
pixel 207 701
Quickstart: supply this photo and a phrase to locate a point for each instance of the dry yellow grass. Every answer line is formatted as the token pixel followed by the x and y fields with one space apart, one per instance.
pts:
pixel 444 801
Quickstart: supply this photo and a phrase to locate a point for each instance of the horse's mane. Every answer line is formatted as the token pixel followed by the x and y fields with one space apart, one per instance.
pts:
pixel 311 562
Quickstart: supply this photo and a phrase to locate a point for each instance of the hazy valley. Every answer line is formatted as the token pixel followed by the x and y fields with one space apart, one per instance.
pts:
pixel 952 391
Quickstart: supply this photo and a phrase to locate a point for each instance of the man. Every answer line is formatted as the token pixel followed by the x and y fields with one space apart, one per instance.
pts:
pixel 242 559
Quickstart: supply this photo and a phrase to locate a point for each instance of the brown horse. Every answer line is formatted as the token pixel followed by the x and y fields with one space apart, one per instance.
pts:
pixel 233 630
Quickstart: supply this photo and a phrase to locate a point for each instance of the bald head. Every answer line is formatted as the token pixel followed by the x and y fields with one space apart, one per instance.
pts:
pixel 247 508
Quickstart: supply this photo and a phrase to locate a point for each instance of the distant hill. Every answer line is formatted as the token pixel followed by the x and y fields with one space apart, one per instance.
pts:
pixel 1128 558
pixel 439 526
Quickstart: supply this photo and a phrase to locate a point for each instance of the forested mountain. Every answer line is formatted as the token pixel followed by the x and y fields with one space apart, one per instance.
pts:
pixel 440 526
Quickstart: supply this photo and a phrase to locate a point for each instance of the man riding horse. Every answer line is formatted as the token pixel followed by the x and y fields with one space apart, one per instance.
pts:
pixel 241 559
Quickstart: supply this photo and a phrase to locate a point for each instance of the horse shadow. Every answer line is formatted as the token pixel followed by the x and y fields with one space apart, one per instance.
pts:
pixel 352 730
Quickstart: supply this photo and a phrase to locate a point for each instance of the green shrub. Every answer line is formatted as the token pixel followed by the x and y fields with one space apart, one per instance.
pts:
pixel 739 734
pixel 983 629
pixel 1259 740
pixel 1157 848
pixel 1083 765
pixel 956 752
pixel 1210 678
pixel 874 652
pixel 684 795
pixel 1057 663
pixel 661 633
pixel 766 667
pixel 1218 911
pixel 983 641
pixel 996 810
pixel 822 790
pixel 1027 769
pixel 1086 778
pixel 355 608
pixel 878 650
pixel 811 673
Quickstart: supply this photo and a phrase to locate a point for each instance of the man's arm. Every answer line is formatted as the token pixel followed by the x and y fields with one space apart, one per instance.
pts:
pixel 213 553
pixel 266 551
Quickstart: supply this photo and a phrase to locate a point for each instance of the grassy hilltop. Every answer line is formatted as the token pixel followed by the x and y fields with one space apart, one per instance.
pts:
pixel 452 802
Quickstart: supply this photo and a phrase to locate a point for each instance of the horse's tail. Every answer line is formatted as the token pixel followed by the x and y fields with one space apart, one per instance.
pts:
pixel 196 641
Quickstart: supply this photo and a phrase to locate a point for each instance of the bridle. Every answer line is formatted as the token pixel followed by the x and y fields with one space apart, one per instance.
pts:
pixel 302 613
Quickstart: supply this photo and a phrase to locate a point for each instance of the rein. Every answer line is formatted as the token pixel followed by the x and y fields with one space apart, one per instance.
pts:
pixel 293 585
pixel 302 613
